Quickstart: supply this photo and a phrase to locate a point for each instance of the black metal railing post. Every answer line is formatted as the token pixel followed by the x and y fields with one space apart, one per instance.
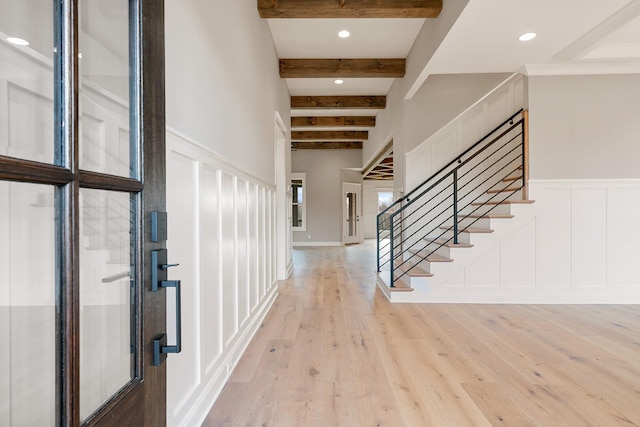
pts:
pixel 391 250
pixel 455 207
pixel 378 241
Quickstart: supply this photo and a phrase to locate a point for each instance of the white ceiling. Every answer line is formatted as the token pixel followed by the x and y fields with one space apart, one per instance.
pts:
pixel 483 39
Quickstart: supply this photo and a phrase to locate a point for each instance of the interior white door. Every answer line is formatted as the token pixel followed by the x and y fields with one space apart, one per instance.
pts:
pixel 351 211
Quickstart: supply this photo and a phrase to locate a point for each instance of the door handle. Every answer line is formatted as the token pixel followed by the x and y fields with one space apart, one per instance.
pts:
pixel 159 280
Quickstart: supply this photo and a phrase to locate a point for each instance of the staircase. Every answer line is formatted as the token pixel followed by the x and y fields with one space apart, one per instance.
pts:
pixel 422 234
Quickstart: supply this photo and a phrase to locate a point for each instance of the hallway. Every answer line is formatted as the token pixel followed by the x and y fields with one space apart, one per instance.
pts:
pixel 333 352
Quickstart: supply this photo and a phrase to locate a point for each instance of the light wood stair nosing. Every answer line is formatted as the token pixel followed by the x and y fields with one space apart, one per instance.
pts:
pixel 470 230
pixel 412 270
pixel 400 284
pixel 504 190
pixel 491 216
pixel 448 243
pixel 503 202
pixel 511 178
pixel 431 258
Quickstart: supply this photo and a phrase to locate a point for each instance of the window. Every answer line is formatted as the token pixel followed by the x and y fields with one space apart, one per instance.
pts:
pixel 385 199
pixel 298 202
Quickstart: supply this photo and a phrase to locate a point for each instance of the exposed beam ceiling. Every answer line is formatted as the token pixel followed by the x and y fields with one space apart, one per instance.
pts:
pixel 349 8
pixel 357 102
pixel 333 145
pixel 334 121
pixel 361 67
pixel 383 170
pixel 329 135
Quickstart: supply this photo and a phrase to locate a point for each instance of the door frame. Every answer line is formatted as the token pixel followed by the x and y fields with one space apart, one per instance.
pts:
pixel 284 246
pixel 142 401
pixel 359 237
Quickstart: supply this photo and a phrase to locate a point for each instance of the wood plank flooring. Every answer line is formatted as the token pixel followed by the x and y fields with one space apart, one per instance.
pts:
pixel 334 352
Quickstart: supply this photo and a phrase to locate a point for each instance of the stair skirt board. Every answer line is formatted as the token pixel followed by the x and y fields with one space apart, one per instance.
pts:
pixel 433 287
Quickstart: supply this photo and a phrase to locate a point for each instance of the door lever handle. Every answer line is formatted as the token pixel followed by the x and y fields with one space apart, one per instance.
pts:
pixel 159 279
pixel 160 346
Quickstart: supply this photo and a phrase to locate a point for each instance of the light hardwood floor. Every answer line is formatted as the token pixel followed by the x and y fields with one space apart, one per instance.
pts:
pixel 333 352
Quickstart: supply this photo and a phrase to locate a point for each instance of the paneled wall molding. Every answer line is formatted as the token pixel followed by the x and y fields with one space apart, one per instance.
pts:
pixel 222 231
pixel 187 141
pixel 464 130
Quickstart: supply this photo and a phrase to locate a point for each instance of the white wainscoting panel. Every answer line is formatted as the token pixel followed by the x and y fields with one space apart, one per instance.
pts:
pixel 183 172
pixel 518 251
pixel 623 264
pixel 576 244
pixel 588 237
pixel 221 231
pixel 464 130
pixel 553 235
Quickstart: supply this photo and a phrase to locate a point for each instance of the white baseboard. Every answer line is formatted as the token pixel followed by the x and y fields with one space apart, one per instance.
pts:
pixel 289 271
pixel 312 244
pixel 521 296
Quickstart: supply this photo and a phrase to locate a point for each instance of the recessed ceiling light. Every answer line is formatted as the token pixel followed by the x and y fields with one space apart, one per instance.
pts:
pixel 338 81
pixel 344 34
pixel 18 41
pixel 527 36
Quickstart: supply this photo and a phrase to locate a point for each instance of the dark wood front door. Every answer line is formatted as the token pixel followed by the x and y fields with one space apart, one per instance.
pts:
pixel 82 166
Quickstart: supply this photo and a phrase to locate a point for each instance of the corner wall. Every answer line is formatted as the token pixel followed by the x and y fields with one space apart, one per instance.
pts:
pixel 324 190
pixel 411 122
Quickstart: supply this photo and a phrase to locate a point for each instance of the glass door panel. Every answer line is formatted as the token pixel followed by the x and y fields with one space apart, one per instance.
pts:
pixel 104 87
pixel 351 215
pixel 27 305
pixel 107 334
pixel 26 80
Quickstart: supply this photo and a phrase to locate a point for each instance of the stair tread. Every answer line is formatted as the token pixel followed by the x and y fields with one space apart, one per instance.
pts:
pixel 448 243
pixel 491 216
pixel 400 285
pixel 431 258
pixel 504 190
pixel 504 202
pixel 413 270
pixel 468 229
pixel 511 178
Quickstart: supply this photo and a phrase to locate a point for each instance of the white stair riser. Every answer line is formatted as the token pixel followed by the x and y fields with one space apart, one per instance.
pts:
pixel 489 209
pixel 462 237
pixel 474 222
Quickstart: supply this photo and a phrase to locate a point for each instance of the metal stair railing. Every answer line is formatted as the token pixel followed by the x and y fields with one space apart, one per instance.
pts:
pixel 452 200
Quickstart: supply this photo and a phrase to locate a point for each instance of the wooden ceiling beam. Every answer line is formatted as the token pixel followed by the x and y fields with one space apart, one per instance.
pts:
pixel 330 68
pixel 339 102
pixel 337 121
pixel 329 135
pixel 333 145
pixel 349 8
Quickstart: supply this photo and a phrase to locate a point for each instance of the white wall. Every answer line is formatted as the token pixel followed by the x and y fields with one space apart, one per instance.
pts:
pixel 223 90
pixel 324 190
pixel 223 83
pixel 585 127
